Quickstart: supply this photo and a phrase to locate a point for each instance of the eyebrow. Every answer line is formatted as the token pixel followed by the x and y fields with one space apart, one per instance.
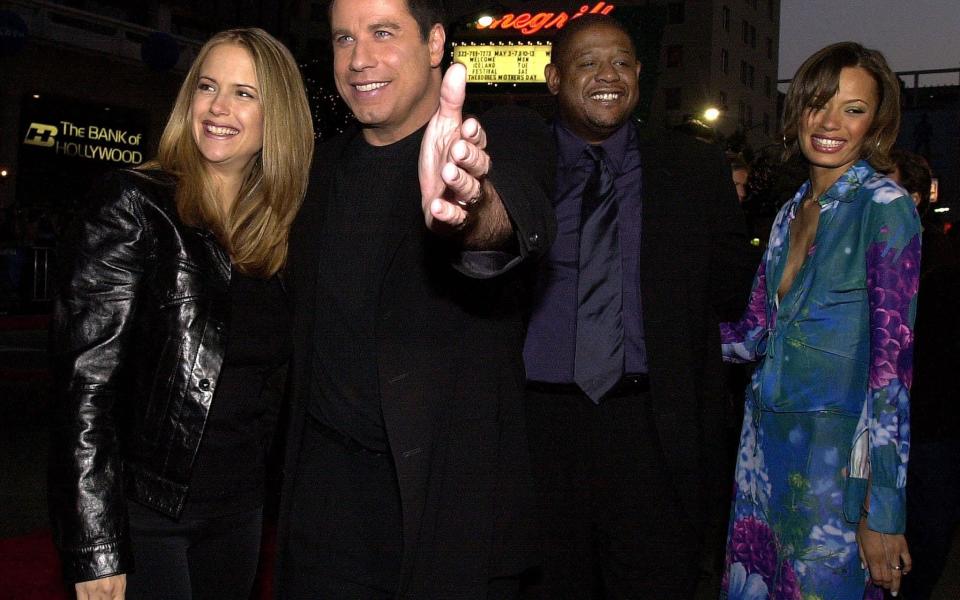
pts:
pixel 246 85
pixel 588 51
pixel 392 25
pixel 383 25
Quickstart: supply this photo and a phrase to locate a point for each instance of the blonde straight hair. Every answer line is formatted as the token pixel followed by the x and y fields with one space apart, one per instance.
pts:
pixel 255 231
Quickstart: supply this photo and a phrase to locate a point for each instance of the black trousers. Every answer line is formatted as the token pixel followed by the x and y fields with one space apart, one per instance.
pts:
pixel 613 526
pixel 344 536
pixel 195 558
pixel 344 532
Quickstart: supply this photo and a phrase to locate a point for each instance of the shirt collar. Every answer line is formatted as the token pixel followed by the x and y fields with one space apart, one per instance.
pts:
pixel 571 148
pixel 843 189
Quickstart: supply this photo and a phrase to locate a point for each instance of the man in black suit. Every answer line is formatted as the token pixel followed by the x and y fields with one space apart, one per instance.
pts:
pixel 407 474
pixel 624 396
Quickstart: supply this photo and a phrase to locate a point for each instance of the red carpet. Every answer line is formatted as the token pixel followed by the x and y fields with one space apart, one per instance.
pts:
pixel 30 569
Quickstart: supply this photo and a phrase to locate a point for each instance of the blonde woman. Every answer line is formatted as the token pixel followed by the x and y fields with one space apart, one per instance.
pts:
pixel 169 321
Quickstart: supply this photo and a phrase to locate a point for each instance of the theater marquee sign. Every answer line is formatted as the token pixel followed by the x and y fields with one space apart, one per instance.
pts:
pixel 491 63
pixel 514 48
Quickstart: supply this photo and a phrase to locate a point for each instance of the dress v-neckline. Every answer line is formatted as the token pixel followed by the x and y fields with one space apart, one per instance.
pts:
pixel 785 252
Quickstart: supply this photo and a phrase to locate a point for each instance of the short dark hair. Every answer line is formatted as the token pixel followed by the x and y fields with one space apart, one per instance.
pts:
pixel 915 175
pixel 426 13
pixel 561 41
pixel 817 80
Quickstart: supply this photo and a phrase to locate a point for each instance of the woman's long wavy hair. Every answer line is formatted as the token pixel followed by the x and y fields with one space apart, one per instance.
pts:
pixel 255 230
pixel 818 79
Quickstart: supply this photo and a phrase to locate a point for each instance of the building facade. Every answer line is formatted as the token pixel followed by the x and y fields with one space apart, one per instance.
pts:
pixel 721 54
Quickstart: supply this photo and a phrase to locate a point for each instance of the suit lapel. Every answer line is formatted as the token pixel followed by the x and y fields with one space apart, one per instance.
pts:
pixel 405 219
pixel 304 248
pixel 658 204
pixel 662 282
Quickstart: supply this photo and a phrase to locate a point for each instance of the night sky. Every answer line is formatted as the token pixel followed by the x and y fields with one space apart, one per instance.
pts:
pixel 912 34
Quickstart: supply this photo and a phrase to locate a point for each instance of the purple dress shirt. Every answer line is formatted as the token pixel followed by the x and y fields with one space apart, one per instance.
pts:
pixel 551 336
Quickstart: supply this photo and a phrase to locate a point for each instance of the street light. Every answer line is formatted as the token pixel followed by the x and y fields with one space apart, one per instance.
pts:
pixel 711 114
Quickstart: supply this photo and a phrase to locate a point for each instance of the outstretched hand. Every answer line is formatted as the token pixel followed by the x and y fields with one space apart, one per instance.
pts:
pixel 453 161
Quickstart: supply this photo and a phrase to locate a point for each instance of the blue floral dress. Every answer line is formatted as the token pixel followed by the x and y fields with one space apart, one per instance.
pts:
pixel 828 405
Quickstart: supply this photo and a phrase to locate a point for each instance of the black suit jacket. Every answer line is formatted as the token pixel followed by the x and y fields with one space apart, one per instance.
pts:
pixel 450 370
pixel 695 271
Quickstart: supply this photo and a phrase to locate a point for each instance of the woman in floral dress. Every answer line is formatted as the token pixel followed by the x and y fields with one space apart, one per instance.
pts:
pixel 818 511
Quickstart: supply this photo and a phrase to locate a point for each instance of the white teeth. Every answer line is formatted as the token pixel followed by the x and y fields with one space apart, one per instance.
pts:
pixel 606 97
pixel 828 143
pixel 215 130
pixel 369 87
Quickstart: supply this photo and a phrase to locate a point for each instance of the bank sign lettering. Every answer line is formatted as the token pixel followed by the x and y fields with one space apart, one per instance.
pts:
pixel 86 141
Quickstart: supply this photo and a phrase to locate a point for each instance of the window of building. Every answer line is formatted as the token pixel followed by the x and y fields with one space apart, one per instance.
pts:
pixel 749 117
pixel 722 100
pixel 770 10
pixel 742 114
pixel 674 56
pixel 676 14
pixel 766 124
pixel 748 33
pixel 673 98
pixel 767 86
pixel 769 48
pixel 725 17
pixel 747 73
pixel 724 60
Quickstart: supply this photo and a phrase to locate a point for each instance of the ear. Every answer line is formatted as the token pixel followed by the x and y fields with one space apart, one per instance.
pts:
pixel 639 68
pixel 916 198
pixel 435 42
pixel 552 73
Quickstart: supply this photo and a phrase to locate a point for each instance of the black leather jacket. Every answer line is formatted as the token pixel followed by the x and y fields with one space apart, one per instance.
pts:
pixel 138 339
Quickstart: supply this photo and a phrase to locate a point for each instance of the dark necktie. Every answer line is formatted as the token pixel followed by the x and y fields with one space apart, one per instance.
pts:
pixel 599 354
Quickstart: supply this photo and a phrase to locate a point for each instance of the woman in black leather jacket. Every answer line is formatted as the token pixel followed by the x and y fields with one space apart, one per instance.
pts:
pixel 170 319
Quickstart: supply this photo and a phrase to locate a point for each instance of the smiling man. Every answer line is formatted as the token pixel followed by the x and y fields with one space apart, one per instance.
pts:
pixel 622 354
pixel 407 474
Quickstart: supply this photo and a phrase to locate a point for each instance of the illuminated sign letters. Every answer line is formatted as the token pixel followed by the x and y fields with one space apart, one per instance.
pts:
pixel 87 141
pixel 503 64
pixel 40 134
pixel 530 23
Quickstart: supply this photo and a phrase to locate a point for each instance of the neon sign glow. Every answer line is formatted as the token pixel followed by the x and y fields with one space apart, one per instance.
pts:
pixel 530 23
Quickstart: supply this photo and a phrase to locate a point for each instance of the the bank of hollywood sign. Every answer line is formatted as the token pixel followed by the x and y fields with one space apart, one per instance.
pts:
pixel 530 23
